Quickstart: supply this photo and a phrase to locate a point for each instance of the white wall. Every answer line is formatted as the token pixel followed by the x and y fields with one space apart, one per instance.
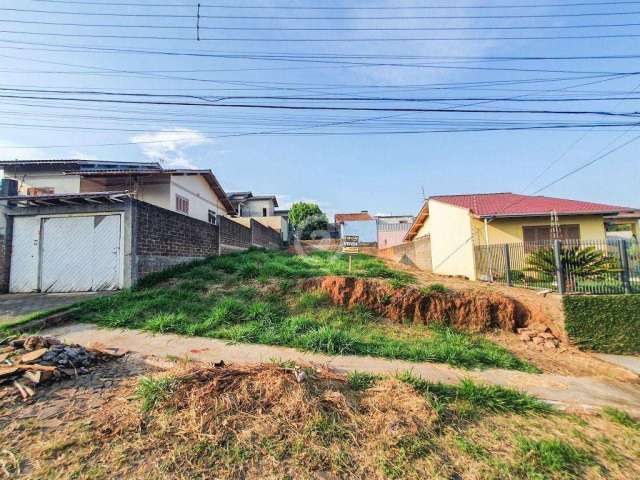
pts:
pixel 253 208
pixel 158 194
pixel 451 239
pixel 201 197
pixel 59 183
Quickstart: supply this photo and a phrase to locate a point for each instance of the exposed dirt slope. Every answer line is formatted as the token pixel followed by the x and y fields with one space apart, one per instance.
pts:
pixel 472 311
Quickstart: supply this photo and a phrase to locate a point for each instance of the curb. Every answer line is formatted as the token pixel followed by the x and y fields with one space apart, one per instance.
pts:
pixel 54 320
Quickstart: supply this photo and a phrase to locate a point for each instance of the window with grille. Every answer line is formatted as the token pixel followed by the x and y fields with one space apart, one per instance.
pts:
pixel 182 204
pixel 542 233
pixel 212 217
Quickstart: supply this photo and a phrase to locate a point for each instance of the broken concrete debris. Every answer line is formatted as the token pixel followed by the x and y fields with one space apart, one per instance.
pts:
pixel 33 360
pixel 539 338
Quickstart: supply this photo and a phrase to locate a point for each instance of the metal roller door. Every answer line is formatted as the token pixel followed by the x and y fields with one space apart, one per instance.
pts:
pixel 76 254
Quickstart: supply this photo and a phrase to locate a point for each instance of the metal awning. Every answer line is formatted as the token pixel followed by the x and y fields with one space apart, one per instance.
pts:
pixel 65 199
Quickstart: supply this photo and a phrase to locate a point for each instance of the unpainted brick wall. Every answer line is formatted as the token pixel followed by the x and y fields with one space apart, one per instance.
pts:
pixel 165 238
pixel 233 236
pixel 416 253
pixel 265 237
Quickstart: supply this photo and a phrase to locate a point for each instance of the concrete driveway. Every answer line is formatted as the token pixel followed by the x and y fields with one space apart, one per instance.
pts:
pixel 15 306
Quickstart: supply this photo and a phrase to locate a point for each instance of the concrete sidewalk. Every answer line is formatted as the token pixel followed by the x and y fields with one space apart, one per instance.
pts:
pixel 576 393
pixel 14 306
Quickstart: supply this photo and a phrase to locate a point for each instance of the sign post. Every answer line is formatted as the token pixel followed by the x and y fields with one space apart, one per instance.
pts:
pixel 350 246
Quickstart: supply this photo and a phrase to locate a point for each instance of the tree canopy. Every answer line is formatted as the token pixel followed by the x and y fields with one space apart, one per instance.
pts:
pixel 307 218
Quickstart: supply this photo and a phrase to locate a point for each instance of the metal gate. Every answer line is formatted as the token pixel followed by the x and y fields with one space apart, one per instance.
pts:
pixel 72 254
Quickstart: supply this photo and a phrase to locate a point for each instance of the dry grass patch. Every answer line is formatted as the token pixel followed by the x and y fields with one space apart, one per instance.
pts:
pixel 284 421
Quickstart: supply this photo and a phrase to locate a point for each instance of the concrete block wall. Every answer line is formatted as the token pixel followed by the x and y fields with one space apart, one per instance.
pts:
pixel 164 238
pixel 265 237
pixel 234 237
pixel 416 253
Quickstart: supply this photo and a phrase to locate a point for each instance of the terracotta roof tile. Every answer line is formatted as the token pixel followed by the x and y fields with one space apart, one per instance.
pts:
pixel 513 204
pixel 353 217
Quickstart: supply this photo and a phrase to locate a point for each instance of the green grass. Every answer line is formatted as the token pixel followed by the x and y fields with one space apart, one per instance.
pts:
pixel 475 398
pixel 360 381
pixel 152 391
pixel 621 417
pixel 542 458
pixel 240 312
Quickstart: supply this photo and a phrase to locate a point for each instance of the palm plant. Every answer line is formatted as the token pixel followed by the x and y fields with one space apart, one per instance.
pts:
pixel 577 262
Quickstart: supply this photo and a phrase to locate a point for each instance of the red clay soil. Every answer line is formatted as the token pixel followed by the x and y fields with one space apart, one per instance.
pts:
pixel 469 310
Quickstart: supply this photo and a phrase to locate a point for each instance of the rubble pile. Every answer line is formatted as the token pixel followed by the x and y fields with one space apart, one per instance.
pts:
pixel 34 360
pixel 541 338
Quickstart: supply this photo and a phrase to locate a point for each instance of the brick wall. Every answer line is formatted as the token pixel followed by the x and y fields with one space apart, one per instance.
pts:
pixel 265 237
pixel 164 238
pixel 416 253
pixel 233 236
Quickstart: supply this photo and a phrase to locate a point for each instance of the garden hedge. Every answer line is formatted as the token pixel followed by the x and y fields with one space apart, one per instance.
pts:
pixel 604 323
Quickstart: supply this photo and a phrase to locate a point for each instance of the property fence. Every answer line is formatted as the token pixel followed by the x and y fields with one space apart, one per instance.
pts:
pixel 416 253
pixel 565 266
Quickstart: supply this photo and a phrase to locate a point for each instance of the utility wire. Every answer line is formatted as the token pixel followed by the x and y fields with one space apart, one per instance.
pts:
pixel 267 17
pixel 397 7
pixel 331 29
pixel 332 40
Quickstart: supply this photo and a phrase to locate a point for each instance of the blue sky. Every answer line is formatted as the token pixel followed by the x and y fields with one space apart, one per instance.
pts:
pixel 384 173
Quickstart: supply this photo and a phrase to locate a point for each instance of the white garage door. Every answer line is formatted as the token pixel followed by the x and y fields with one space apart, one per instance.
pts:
pixel 24 254
pixel 76 254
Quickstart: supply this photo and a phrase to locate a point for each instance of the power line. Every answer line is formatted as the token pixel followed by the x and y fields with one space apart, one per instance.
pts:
pixel 327 108
pixel 333 40
pixel 311 29
pixel 267 17
pixel 397 7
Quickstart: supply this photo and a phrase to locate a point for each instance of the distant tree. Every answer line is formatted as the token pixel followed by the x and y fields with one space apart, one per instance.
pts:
pixel 307 218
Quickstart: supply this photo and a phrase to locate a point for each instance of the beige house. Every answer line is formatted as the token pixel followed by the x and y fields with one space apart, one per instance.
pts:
pixel 456 224
pixel 262 208
pixel 195 193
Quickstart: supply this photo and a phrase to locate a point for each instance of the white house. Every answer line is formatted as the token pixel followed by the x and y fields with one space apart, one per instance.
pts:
pixel 195 193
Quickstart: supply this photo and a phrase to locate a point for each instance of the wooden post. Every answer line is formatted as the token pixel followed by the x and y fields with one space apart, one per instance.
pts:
pixel 350 263
pixel 507 264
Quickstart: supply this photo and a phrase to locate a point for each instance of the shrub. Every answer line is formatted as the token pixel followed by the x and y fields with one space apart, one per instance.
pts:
pixel 584 263
pixel 604 323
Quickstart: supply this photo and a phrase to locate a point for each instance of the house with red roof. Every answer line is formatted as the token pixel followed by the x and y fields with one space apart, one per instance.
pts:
pixel 455 224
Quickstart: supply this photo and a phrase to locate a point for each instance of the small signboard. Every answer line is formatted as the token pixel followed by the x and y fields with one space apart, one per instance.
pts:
pixel 350 244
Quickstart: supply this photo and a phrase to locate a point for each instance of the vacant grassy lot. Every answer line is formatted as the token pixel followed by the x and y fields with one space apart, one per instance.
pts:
pixel 260 422
pixel 253 297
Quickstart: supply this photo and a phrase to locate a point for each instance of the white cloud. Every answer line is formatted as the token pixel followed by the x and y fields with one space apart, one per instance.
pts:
pixel 169 146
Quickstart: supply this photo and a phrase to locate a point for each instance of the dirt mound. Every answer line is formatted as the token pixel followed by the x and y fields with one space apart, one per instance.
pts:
pixel 474 311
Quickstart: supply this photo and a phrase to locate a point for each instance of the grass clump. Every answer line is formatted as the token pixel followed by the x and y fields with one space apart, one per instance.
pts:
pixel 621 417
pixel 152 391
pixel 434 288
pixel 477 397
pixel 361 381
pixel 543 458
